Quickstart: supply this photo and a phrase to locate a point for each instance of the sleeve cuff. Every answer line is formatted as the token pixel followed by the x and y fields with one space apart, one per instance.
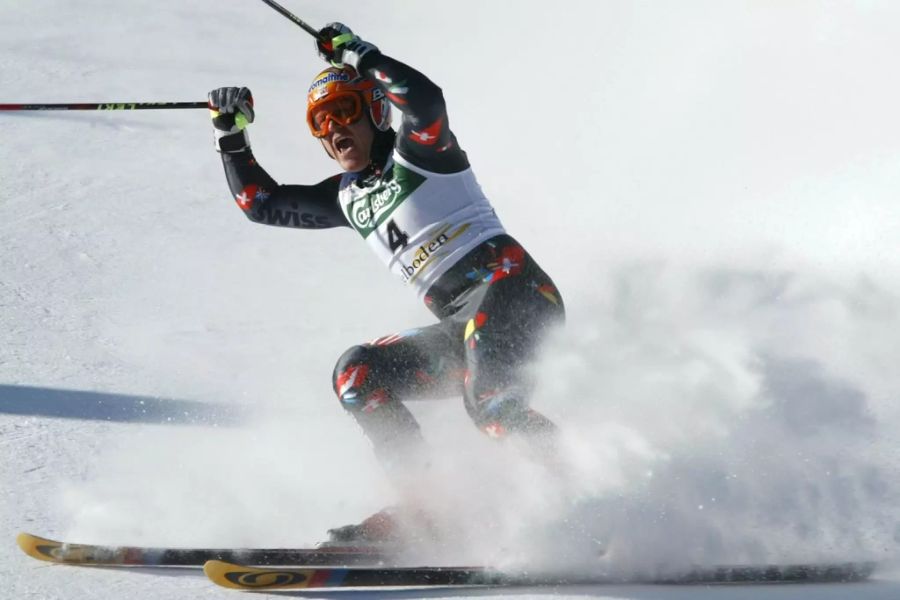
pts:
pixel 232 142
pixel 362 63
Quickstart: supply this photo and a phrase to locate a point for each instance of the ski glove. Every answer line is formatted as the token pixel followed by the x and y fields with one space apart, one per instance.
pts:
pixel 231 110
pixel 338 45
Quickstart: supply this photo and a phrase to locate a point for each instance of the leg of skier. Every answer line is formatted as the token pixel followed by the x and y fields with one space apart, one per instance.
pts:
pixel 509 316
pixel 371 380
pixel 494 309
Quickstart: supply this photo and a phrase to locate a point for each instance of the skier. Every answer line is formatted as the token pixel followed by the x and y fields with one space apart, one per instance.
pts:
pixel 413 197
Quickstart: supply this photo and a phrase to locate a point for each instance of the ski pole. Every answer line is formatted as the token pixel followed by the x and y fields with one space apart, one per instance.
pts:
pixel 106 106
pixel 285 12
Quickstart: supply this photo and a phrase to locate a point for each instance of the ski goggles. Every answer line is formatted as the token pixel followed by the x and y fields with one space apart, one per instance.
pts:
pixel 343 108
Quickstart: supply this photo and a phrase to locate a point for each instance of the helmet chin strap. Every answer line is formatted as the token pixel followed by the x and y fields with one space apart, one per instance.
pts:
pixel 325 148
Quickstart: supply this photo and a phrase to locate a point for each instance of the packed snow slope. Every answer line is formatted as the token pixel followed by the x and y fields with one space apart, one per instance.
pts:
pixel 713 186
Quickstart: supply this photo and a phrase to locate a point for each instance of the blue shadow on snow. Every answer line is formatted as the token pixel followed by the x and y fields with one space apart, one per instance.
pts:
pixel 121 408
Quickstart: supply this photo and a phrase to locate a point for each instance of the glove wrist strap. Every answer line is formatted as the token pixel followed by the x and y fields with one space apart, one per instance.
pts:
pixel 355 50
pixel 232 142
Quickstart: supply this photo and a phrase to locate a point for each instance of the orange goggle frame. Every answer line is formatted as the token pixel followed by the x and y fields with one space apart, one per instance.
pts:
pixel 344 108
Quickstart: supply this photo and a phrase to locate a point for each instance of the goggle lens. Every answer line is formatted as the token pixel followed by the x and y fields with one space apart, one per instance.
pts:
pixel 345 110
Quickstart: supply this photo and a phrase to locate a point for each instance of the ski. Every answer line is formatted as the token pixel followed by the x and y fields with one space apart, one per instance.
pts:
pixel 236 576
pixel 124 556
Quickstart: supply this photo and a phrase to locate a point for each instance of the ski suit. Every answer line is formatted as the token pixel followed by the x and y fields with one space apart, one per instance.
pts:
pixel 421 210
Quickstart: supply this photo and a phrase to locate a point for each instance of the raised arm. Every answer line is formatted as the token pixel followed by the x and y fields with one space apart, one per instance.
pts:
pixel 258 195
pixel 424 137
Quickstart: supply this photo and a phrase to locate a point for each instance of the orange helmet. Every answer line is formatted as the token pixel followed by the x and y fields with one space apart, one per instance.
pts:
pixel 342 95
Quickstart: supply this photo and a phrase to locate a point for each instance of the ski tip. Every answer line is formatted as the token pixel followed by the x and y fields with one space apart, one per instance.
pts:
pixel 217 571
pixel 38 547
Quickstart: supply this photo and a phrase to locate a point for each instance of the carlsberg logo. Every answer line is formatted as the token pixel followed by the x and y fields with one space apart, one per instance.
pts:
pixel 379 201
pixel 367 208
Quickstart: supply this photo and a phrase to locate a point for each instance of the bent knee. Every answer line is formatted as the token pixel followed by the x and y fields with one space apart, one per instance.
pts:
pixel 350 375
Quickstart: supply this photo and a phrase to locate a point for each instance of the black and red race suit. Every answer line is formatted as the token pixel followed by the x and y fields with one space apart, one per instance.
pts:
pixel 418 205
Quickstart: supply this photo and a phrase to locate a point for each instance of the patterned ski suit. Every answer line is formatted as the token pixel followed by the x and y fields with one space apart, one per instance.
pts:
pixel 421 210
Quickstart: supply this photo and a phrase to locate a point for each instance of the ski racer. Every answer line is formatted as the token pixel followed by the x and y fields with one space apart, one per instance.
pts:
pixel 413 198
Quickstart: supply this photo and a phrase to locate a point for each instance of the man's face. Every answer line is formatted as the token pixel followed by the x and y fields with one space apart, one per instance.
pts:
pixel 350 145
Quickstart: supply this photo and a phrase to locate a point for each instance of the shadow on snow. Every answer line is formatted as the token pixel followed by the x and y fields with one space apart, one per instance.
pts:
pixel 102 406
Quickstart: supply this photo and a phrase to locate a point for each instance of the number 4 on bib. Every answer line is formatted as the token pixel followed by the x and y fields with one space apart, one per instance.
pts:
pixel 396 239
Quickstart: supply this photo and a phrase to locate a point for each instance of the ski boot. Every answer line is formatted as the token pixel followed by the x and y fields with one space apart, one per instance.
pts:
pixel 392 526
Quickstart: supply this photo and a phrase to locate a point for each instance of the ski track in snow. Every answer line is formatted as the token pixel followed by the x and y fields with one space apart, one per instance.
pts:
pixel 712 186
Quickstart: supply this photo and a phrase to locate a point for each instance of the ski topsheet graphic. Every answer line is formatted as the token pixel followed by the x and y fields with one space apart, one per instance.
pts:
pixel 242 577
pixel 94 554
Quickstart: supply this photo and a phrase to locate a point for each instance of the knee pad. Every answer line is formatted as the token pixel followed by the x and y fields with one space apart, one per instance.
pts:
pixel 350 375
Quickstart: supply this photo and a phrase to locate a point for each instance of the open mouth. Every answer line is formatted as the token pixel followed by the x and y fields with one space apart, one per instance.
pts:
pixel 343 144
